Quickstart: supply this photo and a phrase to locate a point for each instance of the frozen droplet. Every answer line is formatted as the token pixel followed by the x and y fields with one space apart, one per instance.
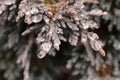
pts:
pixel 46 46
pixel 37 18
pixel 96 45
pixel 46 20
pixel 92 36
pixel 84 25
pixel 34 10
pixel 42 54
pixel 40 39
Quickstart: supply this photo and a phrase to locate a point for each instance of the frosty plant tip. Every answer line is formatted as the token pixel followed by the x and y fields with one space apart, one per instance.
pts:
pixel 66 20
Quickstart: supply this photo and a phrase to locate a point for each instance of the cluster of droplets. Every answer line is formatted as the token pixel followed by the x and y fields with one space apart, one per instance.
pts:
pixel 74 19
pixel 5 3
pixel 33 11
pixel 69 22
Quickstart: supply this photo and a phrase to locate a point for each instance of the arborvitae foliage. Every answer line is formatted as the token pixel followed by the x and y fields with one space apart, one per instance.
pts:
pixel 83 37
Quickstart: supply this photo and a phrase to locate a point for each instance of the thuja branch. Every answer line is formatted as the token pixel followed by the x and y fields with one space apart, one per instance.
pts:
pixel 55 6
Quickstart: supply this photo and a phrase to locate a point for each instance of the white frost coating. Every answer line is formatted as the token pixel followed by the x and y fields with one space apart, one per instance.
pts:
pixel 42 54
pixel 46 46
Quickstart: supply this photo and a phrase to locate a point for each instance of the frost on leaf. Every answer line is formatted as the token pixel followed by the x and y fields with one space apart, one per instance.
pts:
pixel 96 45
pixel 56 41
pixel 33 11
pixel 97 12
pixel 5 3
pixel 41 55
pixel 46 46
pixel 73 40
pixel 44 49
pixel 66 20
pixel 93 36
